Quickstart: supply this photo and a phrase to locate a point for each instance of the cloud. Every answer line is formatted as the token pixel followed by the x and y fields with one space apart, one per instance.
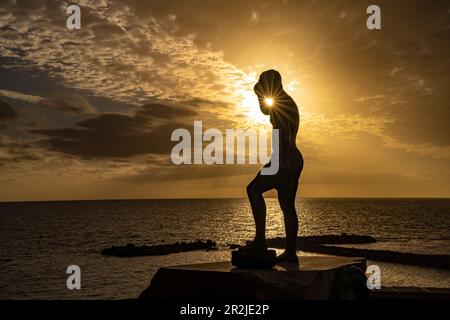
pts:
pixel 164 111
pixel 114 135
pixel 13 153
pixel 364 99
pixel 421 121
pixel 190 172
pixel 118 53
pixel 200 59
pixel 67 102
pixel 6 111
pixel 20 96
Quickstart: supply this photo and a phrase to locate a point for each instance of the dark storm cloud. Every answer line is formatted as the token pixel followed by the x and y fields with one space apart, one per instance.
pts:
pixel 6 111
pixel 113 135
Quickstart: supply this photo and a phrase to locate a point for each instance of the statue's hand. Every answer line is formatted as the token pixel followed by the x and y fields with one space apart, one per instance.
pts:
pixel 257 90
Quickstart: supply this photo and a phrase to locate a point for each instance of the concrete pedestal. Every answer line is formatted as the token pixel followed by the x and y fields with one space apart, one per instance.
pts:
pixel 313 278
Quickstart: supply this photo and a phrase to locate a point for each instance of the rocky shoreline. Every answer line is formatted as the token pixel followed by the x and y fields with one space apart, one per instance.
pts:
pixel 325 244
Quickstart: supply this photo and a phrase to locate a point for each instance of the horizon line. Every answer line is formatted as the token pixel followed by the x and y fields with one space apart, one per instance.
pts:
pixel 221 198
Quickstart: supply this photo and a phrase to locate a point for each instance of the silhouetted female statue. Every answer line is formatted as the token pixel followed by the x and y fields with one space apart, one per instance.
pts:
pixel 284 116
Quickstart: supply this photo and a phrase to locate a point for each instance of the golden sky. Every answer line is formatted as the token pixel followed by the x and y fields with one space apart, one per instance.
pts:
pixel 88 114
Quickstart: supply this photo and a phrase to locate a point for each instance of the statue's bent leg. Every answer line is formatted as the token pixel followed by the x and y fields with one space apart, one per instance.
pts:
pixel 255 190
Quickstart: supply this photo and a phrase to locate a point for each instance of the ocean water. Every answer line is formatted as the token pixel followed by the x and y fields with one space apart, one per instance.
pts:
pixel 39 240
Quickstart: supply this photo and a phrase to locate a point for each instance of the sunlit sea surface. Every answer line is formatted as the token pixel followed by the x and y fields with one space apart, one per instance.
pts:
pixel 39 240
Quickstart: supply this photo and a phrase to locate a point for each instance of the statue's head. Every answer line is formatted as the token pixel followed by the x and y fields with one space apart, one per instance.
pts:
pixel 269 83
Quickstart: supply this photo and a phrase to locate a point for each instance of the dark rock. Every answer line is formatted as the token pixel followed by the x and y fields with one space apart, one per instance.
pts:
pixel 254 259
pixel 131 250
pixel 350 284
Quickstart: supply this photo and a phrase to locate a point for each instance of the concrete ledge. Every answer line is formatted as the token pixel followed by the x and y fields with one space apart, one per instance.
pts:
pixel 312 279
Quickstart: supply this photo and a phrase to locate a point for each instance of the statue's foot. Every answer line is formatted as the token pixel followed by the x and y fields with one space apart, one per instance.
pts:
pixel 288 257
pixel 255 245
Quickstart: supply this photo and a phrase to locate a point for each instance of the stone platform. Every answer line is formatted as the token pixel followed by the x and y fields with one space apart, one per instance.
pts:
pixel 314 278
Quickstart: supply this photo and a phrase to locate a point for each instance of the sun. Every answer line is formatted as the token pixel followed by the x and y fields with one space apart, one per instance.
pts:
pixel 269 101
pixel 250 106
